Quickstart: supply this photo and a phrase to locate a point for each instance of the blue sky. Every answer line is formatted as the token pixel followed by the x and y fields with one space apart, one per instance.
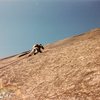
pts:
pixel 26 22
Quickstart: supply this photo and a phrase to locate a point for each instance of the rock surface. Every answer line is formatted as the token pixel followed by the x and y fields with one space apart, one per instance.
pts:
pixel 67 70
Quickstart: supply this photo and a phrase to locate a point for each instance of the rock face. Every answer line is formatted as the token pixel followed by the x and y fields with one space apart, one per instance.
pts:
pixel 67 70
